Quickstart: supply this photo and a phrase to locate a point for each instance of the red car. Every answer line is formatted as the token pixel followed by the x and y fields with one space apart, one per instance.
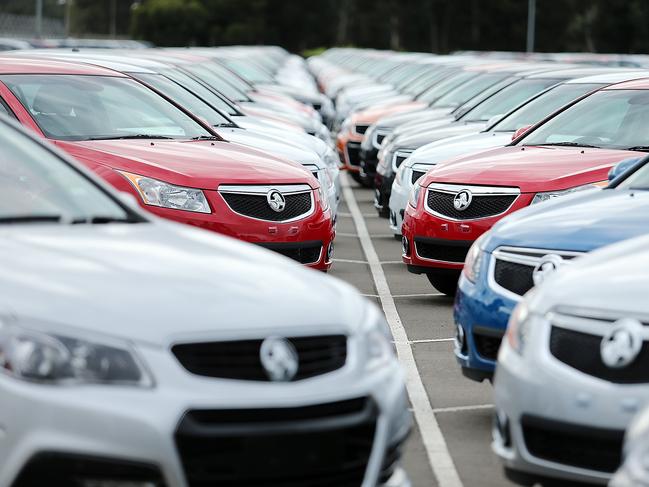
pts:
pixel 573 149
pixel 175 165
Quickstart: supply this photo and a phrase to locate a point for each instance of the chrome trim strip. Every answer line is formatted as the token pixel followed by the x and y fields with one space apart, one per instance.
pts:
pixel 476 191
pixel 237 190
pixel 263 189
pixel 512 254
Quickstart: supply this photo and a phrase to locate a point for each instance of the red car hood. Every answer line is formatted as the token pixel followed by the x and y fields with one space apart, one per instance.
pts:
pixel 371 115
pixel 530 168
pixel 200 164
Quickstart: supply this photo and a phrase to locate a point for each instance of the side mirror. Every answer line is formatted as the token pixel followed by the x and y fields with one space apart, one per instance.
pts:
pixel 521 131
pixel 622 167
pixel 493 120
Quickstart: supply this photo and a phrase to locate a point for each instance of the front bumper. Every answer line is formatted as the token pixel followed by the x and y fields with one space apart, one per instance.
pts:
pixel 369 161
pixel 481 317
pixel 398 201
pixel 348 145
pixel 382 191
pixel 178 424
pixel 560 423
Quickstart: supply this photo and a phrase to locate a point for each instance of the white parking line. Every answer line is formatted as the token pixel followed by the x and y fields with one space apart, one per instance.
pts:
pixel 436 449
pixel 351 261
pixel 458 409
pixel 421 295
pixel 432 340
pixel 365 215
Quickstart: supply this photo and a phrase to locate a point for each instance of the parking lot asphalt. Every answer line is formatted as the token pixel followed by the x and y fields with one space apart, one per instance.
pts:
pixel 450 445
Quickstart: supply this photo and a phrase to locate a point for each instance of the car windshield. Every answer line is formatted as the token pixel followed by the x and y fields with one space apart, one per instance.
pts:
pixel 184 98
pixel 439 89
pixel 612 119
pixel 75 107
pixel 543 105
pixel 38 186
pixel 468 90
pixel 200 90
pixel 205 73
pixel 508 98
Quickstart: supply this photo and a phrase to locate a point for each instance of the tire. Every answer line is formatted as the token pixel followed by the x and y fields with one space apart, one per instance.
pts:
pixel 445 283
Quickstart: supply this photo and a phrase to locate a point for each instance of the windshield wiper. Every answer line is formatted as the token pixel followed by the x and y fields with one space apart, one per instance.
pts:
pixel 135 136
pixel 639 148
pixel 568 144
pixel 101 219
pixel 31 219
pixel 206 137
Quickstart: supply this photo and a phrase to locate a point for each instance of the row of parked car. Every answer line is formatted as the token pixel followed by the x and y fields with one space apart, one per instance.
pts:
pixel 140 345
pixel 520 187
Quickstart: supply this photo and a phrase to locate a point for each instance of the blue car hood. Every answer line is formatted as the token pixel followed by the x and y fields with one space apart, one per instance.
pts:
pixel 581 222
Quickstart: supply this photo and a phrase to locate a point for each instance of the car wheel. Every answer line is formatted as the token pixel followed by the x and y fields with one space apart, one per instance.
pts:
pixel 444 283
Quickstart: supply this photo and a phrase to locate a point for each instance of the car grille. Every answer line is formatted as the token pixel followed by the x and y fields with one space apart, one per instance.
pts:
pixel 482 206
pixel 442 250
pixel 314 446
pixel 416 175
pixel 253 203
pixel 568 444
pixel 379 139
pixel 581 351
pixel 361 129
pixel 302 252
pixel 354 153
pixel 514 266
pixel 240 360
pixel 487 342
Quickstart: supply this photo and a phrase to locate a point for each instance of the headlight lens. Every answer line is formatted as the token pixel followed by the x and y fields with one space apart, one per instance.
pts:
pixel 474 259
pixel 378 339
pixel 158 193
pixel 324 201
pixel 324 176
pixel 414 195
pixel 58 358
pixel 540 197
pixel 521 324
pixel 403 175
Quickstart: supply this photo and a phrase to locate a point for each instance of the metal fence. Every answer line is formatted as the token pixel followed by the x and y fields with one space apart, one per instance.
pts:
pixel 25 26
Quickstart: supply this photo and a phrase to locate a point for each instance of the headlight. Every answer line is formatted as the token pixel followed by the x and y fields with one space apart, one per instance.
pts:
pixel 403 175
pixel 324 176
pixel 521 323
pixel 414 195
pixel 158 193
pixel 474 257
pixel 324 201
pixel 377 339
pixel 540 197
pixel 55 357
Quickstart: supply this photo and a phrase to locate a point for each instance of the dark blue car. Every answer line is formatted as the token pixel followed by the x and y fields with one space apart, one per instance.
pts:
pixel 525 247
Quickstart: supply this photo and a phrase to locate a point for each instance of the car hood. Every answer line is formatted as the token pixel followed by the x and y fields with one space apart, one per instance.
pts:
pixel 271 145
pixel 419 139
pixel 163 282
pixel 204 164
pixel 421 114
pixel 371 115
pixel 460 145
pixel 580 223
pixel 530 168
pixel 607 279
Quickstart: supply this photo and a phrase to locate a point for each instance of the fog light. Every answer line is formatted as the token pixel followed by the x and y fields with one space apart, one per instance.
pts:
pixel 501 429
pixel 460 339
pixel 330 251
pixel 405 246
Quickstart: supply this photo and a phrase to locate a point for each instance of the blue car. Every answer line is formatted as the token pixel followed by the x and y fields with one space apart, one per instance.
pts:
pixel 522 249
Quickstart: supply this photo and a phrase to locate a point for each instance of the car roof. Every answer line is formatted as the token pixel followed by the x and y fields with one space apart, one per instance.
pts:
pixel 577 72
pixel 116 64
pixel 614 77
pixel 638 84
pixel 27 65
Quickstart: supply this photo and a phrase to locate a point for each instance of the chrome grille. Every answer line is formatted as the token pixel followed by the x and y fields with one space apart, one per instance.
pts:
pixel 486 201
pixel 252 201
pixel 512 267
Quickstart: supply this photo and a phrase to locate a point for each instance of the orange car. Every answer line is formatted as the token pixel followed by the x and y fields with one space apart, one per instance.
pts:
pixel 352 132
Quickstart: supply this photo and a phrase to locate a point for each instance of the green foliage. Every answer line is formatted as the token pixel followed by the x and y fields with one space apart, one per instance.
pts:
pixel 170 22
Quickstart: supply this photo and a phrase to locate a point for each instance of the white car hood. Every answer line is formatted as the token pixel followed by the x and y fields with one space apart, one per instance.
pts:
pixel 461 145
pixel 159 282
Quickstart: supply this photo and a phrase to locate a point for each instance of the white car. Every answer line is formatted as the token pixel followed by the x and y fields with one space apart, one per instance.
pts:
pixel 634 471
pixel 137 352
pixel 573 369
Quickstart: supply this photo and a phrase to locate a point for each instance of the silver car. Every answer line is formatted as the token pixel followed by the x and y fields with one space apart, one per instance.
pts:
pixel 574 368
pixel 138 352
